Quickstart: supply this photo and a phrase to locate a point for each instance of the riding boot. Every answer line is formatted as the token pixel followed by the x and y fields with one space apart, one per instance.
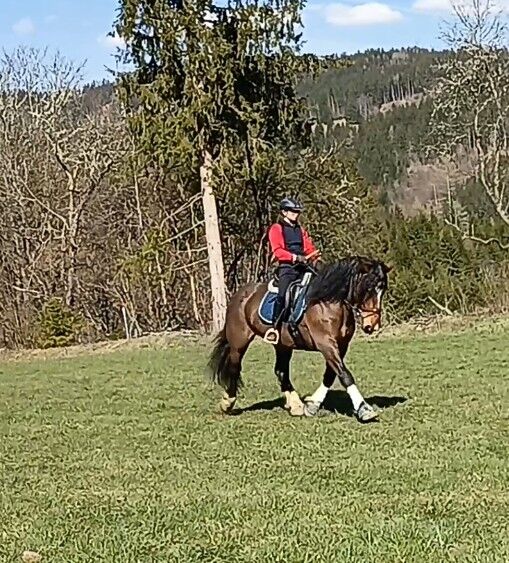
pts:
pixel 272 335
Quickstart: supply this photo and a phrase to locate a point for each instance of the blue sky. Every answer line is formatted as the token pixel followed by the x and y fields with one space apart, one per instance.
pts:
pixel 78 28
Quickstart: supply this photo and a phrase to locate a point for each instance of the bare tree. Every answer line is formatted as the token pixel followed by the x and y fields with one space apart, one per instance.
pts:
pixel 56 155
pixel 470 117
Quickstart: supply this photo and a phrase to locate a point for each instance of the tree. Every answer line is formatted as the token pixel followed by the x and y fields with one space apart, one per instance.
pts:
pixel 208 77
pixel 470 116
pixel 56 157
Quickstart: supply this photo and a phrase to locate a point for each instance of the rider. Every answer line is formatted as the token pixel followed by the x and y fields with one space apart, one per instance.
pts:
pixel 291 246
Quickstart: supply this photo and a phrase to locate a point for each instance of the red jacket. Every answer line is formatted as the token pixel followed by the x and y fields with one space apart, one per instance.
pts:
pixel 277 244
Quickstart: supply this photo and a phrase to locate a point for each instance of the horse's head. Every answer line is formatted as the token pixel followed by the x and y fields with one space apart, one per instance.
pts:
pixel 371 284
pixel 359 283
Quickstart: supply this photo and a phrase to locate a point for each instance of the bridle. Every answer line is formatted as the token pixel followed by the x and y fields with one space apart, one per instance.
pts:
pixel 358 310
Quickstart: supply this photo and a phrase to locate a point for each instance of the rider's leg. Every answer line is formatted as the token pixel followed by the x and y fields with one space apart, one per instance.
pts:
pixel 286 276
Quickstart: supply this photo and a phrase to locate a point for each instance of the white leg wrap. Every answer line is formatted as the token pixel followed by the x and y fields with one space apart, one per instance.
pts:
pixel 319 395
pixel 355 396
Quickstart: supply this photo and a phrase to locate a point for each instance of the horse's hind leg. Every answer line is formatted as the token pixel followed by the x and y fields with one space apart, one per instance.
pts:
pixel 225 363
pixel 238 343
pixel 232 381
pixel 282 370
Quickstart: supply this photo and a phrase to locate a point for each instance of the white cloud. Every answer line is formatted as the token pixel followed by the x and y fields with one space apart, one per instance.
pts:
pixel 111 41
pixel 210 18
pixel 25 26
pixel 370 13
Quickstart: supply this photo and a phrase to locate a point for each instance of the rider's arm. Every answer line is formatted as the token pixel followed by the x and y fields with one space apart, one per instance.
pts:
pixel 309 247
pixel 277 244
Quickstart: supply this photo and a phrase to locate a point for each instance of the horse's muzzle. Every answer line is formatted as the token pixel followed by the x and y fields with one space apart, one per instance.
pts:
pixel 368 329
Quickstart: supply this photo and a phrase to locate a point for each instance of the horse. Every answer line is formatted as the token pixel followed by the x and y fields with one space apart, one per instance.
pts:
pixel 341 295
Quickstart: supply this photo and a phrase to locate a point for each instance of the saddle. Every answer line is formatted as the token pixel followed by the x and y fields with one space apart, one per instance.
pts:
pixel 295 301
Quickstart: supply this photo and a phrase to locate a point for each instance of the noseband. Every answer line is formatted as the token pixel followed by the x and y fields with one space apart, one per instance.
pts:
pixel 357 310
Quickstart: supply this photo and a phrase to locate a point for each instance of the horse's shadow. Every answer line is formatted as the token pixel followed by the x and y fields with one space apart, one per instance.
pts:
pixel 336 402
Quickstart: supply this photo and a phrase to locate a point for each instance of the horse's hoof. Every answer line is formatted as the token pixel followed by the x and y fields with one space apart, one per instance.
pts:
pixel 311 408
pixel 366 413
pixel 227 403
pixel 296 410
pixel 293 404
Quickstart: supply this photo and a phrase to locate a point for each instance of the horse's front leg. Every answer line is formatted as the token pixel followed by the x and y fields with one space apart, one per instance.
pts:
pixel 282 370
pixel 315 401
pixel 336 367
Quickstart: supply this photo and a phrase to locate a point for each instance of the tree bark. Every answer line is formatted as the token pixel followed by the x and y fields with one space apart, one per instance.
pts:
pixel 214 249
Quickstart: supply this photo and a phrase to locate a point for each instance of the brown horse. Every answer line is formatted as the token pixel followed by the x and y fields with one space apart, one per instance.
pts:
pixel 340 295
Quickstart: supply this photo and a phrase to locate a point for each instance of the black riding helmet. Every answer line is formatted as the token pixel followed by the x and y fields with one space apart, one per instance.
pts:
pixel 290 204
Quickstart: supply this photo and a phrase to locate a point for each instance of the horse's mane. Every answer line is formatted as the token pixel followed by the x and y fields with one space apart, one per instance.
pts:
pixel 337 281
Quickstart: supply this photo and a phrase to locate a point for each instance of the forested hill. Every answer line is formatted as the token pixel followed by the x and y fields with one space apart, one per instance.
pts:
pixel 375 81
pixel 378 105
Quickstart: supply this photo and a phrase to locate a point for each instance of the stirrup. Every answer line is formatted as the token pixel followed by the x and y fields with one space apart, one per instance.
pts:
pixel 271 333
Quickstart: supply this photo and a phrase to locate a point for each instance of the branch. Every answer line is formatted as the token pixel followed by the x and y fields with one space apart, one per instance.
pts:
pixel 466 236
pixel 60 159
pixel 326 156
pixel 186 266
pixel 27 290
pixel 184 232
pixel 33 198
pixel 189 203
pixel 488 241
pixel 440 307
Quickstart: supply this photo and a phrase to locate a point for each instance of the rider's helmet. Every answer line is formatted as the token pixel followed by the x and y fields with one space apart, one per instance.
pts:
pixel 291 204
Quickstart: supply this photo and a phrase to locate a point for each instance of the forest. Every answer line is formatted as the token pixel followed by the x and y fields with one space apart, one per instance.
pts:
pixel 140 204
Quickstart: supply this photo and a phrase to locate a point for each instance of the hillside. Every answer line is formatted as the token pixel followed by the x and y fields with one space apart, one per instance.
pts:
pixel 378 107
pixel 375 80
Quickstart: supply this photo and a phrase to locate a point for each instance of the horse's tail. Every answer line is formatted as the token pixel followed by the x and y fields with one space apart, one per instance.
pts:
pixel 219 362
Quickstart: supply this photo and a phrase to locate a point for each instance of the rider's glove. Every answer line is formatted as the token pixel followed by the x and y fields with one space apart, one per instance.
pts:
pixel 299 259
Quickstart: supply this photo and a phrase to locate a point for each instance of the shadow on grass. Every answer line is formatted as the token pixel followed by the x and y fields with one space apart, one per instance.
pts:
pixel 269 405
pixel 336 402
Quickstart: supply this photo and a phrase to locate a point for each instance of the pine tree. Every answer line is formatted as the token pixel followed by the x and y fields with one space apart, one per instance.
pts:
pixel 207 76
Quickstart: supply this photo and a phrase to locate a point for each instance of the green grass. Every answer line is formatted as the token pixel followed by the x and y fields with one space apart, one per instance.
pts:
pixel 123 458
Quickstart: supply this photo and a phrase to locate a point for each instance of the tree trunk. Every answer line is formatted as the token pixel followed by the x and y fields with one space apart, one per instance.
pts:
pixel 215 253
pixel 71 244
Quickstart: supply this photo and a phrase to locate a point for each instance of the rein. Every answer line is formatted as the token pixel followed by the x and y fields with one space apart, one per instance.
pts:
pixel 357 310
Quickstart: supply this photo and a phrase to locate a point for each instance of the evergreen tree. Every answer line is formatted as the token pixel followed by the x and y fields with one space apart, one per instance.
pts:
pixel 209 76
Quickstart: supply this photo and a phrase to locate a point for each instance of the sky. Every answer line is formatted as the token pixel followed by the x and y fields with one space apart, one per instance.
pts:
pixel 79 28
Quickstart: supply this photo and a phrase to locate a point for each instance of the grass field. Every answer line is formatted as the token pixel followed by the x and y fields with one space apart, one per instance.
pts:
pixel 122 457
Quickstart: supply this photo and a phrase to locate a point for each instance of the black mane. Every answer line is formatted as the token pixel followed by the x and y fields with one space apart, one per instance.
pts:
pixel 341 281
